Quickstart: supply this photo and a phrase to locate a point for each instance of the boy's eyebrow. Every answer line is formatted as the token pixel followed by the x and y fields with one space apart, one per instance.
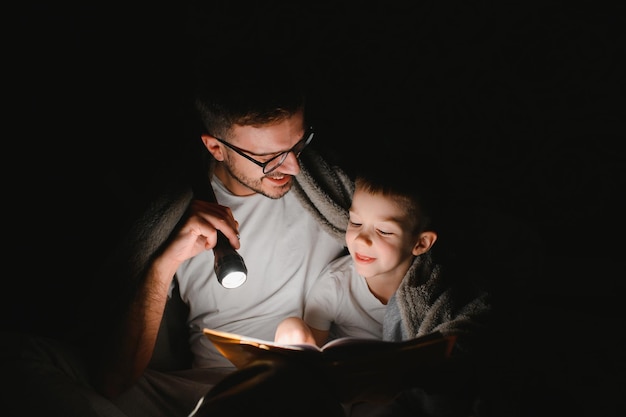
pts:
pixel 389 219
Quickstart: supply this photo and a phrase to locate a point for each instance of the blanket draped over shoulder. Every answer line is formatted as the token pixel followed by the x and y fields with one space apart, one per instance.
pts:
pixel 428 301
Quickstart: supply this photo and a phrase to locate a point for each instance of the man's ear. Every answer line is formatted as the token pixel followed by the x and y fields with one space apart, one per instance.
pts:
pixel 425 241
pixel 213 146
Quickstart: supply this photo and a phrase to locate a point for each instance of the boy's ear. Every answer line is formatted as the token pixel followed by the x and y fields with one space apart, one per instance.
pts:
pixel 424 243
pixel 213 146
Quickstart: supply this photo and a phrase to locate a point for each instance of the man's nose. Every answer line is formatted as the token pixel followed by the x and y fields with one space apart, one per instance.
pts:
pixel 290 165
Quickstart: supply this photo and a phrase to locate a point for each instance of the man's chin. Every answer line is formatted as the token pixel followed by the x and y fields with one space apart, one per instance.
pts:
pixel 277 189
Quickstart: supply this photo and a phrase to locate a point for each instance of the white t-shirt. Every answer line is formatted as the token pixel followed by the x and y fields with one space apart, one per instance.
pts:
pixel 340 301
pixel 284 249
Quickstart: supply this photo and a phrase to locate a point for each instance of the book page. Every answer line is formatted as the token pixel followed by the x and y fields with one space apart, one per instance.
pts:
pixel 349 341
pixel 355 345
pixel 242 350
pixel 262 344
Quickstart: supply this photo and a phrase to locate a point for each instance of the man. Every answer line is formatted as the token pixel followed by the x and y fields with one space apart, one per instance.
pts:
pixel 278 203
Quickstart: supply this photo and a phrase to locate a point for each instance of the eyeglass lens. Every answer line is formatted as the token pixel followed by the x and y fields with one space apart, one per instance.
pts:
pixel 278 160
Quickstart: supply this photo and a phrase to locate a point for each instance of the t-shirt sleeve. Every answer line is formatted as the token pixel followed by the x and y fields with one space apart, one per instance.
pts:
pixel 322 301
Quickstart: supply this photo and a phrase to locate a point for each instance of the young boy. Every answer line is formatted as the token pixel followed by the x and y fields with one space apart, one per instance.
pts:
pixel 390 288
pixel 388 231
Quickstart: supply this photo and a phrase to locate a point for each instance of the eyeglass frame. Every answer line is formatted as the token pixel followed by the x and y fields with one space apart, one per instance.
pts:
pixel 307 138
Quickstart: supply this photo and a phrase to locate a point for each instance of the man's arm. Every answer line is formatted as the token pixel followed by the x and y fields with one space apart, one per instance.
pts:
pixel 123 340
pixel 131 345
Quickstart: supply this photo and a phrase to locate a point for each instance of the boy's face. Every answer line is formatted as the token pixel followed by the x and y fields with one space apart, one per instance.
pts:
pixel 379 236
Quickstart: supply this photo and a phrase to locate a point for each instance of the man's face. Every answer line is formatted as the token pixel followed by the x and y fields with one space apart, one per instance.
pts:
pixel 242 176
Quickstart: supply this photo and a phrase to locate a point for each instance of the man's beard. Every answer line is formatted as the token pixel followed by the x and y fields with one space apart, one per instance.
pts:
pixel 256 184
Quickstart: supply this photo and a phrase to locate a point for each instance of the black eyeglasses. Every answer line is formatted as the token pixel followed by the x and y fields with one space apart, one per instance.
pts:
pixel 276 161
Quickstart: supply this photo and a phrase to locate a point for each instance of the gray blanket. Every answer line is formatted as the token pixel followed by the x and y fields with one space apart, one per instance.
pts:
pixel 427 301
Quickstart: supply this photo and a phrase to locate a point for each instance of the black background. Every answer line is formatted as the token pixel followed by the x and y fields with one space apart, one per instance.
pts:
pixel 519 107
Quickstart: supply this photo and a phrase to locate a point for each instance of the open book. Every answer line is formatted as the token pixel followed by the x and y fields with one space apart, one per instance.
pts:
pixel 358 369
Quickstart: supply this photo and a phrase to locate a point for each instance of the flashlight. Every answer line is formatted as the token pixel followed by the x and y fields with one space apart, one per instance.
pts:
pixel 229 266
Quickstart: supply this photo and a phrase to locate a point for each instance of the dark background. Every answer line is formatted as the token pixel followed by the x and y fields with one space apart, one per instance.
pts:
pixel 520 108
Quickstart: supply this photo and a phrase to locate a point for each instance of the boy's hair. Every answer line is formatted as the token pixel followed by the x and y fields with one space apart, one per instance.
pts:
pixel 414 196
pixel 247 90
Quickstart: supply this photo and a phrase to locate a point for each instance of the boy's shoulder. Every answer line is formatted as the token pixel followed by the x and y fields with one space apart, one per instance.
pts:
pixel 343 263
